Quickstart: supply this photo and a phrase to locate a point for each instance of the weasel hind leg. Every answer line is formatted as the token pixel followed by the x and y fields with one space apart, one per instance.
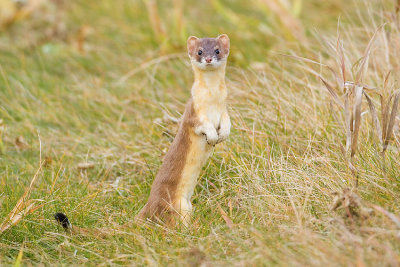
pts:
pixel 180 213
pixel 184 210
pixel 154 212
pixel 140 217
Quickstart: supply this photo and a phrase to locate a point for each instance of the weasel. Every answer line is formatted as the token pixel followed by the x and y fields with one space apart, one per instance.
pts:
pixel 204 123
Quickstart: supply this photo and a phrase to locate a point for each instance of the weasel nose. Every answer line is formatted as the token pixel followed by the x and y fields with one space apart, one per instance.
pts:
pixel 208 59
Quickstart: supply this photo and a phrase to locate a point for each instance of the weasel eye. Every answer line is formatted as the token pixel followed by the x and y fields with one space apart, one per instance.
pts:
pixel 217 51
pixel 200 52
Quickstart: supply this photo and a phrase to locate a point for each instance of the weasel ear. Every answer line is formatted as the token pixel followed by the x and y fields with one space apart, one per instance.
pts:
pixel 191 44
pixel 224 40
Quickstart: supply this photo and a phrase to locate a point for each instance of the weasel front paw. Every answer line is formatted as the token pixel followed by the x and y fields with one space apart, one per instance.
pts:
pixel 223 134
pixel 209 132
pixel 211 137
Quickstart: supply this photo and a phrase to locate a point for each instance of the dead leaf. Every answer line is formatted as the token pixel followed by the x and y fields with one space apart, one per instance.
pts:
pixel 81 37
pixel 20 143
pixel 47 161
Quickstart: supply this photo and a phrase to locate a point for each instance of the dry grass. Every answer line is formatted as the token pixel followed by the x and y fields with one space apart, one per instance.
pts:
pixel 103 90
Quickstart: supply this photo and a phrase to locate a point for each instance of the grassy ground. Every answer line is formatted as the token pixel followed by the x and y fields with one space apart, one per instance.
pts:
pixel 92 82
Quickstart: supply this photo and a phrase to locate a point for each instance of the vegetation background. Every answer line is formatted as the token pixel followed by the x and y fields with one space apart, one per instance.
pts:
pixel 90 92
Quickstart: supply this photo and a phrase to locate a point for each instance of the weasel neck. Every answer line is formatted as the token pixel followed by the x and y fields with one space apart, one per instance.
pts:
pixel 210 82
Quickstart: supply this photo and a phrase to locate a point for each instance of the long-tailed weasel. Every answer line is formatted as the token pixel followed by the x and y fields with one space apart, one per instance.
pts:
pixel 205 123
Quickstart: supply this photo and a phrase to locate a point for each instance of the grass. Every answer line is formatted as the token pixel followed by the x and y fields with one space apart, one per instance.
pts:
pixel 91 82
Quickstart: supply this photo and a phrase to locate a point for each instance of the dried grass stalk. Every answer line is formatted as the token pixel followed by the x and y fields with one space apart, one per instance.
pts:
pixel 392 118
pixel 333 93
pixel 21 210
pixel 347 121
pixel 375 118
pixel 356 119
pixel 352 101
pixel 24 206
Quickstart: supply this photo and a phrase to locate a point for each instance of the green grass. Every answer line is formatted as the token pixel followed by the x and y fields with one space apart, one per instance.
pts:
pixel 275 176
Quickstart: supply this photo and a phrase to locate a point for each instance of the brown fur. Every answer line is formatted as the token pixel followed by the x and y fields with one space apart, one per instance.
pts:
pixel 208 47
pixel 162 195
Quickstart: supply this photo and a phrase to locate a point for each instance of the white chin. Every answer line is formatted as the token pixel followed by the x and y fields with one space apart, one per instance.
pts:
pixel 207 66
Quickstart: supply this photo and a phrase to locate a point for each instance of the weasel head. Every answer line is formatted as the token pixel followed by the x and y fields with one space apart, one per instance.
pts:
pixel 208 54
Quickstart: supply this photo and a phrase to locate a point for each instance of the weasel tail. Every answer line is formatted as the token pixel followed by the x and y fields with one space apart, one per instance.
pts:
pixel 205 123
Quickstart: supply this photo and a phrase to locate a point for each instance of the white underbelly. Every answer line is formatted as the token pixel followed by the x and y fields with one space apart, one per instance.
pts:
pixel 197 156
pixel 214 116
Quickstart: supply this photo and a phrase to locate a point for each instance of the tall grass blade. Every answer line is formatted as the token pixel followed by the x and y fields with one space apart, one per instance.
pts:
pixel 332 92
pixel 384 117
pixel 389 129
pixel 364 61
pixel 18 260
pixel 375 118
pixel 339 48
pixel 357 118
pixel 348 120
